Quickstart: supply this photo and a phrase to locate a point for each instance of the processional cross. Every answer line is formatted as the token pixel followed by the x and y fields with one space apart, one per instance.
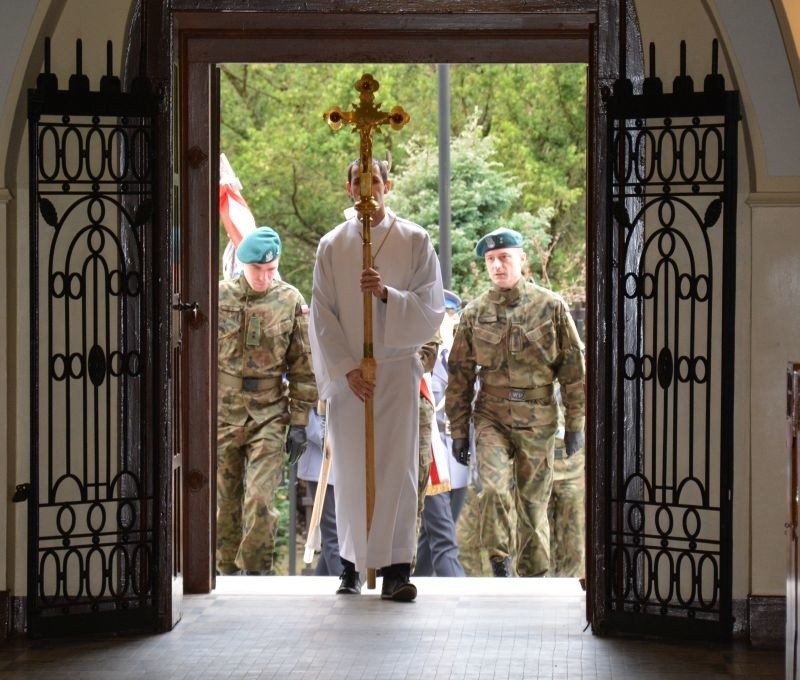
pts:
pixel 366 118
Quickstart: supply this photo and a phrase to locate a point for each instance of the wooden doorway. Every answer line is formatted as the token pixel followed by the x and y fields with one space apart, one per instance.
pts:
pixel 584 31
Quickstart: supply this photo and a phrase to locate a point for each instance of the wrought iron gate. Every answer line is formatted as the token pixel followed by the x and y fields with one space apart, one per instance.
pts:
pixel 672 163
pixel 92 501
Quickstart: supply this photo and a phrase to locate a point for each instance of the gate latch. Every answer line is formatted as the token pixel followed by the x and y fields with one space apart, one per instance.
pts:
pixel 21 493
pixel 182 306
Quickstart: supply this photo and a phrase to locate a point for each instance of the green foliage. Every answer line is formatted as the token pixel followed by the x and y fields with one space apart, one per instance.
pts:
pixel 537 114
pixel 530 170
pixel 292 165
pixel 482 198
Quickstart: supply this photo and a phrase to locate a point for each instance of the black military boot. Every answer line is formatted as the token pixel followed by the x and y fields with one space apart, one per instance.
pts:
pixel 235 572
pixel 349 581
pixel 228 569
pixel 501 568
pixel 396 585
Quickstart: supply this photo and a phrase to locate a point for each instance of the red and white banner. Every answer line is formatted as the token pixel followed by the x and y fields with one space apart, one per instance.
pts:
pixel 439 477
pixel 235 215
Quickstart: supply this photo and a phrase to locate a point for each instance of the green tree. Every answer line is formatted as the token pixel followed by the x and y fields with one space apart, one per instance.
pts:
pixel 537 113
pixel 483 197
pixel 292 165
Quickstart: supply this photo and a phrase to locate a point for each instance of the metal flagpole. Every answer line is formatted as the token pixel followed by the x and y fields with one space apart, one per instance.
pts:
pixel 366 118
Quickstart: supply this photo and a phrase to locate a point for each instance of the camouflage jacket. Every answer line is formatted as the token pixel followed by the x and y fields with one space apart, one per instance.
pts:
pixel 521 338
pixel 264 336
pixel 429 351
pixel 565 468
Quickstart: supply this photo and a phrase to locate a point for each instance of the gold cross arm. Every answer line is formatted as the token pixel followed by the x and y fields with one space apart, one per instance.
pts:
pixel 366 117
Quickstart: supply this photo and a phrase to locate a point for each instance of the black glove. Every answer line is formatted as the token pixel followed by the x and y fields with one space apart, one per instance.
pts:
pixel 461 450
pixel 296 443
pixel 573 442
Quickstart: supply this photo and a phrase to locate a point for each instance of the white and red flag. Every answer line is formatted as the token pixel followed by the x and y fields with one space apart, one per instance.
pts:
pixel 235 215
pixel 439 476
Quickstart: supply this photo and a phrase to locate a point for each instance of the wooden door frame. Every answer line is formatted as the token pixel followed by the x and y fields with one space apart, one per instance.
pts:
pixel 199 35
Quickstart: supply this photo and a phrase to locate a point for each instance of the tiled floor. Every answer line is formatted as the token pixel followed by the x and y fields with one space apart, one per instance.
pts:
pixel 296 628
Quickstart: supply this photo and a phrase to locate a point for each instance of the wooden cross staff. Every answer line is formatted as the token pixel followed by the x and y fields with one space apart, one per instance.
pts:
pixel 366 118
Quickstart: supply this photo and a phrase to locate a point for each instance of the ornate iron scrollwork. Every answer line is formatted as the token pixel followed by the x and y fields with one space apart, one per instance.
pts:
pixel 93 497
pixel 672 166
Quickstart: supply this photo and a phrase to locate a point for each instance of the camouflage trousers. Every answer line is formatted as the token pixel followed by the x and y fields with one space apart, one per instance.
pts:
pixel 468 536
pixel 249 471
pixel 425 418
pixel 425 454
pixel 567 516
pixel 515 467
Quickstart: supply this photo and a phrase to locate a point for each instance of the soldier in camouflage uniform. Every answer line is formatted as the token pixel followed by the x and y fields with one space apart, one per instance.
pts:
pixel 517 338
pixel 263 336
pixel 567 515
pixel 565 511
pixel 468 535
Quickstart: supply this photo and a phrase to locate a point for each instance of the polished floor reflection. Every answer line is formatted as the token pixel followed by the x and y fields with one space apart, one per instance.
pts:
pixel 471 629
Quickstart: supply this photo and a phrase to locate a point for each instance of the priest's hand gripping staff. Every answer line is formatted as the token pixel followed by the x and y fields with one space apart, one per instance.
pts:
pixel 366 118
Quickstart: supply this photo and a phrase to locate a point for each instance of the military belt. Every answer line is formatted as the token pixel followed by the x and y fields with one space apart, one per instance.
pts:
pixel 519 394
pixel 247 384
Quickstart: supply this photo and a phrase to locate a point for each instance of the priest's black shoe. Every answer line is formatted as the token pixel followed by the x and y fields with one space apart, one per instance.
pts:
pixel 396 585
pixel 349 583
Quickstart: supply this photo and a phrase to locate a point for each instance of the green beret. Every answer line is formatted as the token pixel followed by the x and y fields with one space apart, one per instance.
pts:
pixel 259 246
pixel 499 238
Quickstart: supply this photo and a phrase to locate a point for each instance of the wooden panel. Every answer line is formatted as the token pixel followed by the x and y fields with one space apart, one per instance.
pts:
pixel 426 7
pixel 793 489
pixel 304 24
pixel 535 49
pixel 404 32
pixel 244 38
pixel 199 352
pixel 5 618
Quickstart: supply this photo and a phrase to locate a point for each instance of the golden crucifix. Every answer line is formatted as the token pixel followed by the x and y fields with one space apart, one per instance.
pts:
pixel 366 118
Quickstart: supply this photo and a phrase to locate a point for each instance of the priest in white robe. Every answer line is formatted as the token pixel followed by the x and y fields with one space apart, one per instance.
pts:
pixel 408 306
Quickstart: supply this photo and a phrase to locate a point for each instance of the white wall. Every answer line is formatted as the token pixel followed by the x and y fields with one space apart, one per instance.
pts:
pixel 772 108
pixel 17 16
pixel 13 29
pixel 772 118
pixel 775 333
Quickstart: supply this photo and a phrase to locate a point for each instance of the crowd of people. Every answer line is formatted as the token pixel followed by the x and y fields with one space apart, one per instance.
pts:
pixel 478 409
